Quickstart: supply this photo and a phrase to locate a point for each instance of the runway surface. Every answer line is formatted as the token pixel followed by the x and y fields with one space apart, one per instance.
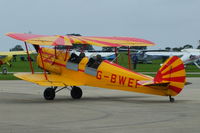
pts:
pixel 23 110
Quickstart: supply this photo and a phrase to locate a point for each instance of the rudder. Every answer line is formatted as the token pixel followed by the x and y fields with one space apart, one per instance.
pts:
pixel 172 71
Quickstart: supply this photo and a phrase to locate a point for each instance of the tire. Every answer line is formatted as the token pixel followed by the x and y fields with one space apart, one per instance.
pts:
pixel 49 94
pixel 4 70
pixel 76 92
pixel 172 100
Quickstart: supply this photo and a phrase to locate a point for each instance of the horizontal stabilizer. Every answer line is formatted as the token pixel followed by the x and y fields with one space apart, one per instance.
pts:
pixel 151 83
pixel 52 79
pixel 188 83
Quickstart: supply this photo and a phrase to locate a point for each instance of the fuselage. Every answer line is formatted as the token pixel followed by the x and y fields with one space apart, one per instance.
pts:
pixel 106 75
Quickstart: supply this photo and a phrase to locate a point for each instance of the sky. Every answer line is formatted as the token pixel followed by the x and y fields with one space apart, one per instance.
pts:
pixel 168 23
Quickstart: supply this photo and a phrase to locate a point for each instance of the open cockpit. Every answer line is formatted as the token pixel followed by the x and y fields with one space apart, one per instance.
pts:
pixel 85 64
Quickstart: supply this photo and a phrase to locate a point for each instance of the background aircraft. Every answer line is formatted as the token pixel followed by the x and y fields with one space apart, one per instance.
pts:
pixel 6 57
pixel 65 70
pixel 188 56
pixel 142 55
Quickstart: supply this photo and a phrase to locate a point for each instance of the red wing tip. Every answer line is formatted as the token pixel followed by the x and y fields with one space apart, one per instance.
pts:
pixel 7 34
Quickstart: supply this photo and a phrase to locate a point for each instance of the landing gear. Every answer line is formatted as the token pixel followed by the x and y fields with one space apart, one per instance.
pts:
pixel 171 99
pixel 50 92
pixel 4 70
pixel 76 92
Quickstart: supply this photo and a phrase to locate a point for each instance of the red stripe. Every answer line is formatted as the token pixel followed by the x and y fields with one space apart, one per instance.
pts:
pixel 59 41
pixel 48 58
pixel 80 70
pixel 1 62
pixel 105 43
pixel 106 76
pixel 70 39
pixel 55 63
pixel 131 39
pixel 175 69
pixel 175 89
pixel 106 61
pixel 175 79
pixel 85 42
pixel 24 37
pixel 158 77
pixel 174 58
pixel 47 53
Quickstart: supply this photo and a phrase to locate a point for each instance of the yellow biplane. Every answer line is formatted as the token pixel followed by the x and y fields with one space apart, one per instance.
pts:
pixel 5 57
pixel 62 69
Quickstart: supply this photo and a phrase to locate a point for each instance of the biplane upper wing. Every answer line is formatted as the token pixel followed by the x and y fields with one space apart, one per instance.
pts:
pixel 69 40
pixel 53 79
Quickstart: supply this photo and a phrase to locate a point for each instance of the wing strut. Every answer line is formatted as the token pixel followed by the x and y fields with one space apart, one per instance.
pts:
pixel 196 64
pixel 116 54
pixel 29 58
pixel 67 50
pixel 45 74
pixel 55 52
pixel 129 58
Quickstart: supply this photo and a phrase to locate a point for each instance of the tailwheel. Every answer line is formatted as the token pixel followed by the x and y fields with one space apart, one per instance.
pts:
pixel 49 93
pixel 171 99
pixel 76 92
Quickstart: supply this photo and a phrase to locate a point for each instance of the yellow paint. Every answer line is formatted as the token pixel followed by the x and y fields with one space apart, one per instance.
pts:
pixel 109 75
pixel 175 74
pixel 83 63
pixel 175 63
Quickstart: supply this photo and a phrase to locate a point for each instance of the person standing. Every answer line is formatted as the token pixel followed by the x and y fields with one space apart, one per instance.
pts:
pixel 135 61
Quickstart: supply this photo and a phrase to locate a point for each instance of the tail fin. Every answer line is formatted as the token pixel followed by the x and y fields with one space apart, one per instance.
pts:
pixel 172 71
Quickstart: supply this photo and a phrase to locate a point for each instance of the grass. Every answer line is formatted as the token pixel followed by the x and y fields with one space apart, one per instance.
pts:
pixel 8 77
pixel 23 66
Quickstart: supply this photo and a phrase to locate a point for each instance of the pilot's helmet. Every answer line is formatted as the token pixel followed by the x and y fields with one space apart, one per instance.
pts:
pixel 82 55
pixel 99 57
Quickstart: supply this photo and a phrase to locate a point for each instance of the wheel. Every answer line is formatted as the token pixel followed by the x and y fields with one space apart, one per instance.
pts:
pixel 76 92
pixel 4 70
pixel 49 93
pixel 171 99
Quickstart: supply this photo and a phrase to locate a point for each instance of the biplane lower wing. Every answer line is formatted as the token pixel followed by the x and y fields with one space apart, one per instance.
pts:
pixel 52 79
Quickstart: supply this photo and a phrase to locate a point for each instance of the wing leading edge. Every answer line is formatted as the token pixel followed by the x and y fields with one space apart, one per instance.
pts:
pixel 52 79
pixel 54 40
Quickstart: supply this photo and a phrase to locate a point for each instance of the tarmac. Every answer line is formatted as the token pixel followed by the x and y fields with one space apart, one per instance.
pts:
pixel 23 110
